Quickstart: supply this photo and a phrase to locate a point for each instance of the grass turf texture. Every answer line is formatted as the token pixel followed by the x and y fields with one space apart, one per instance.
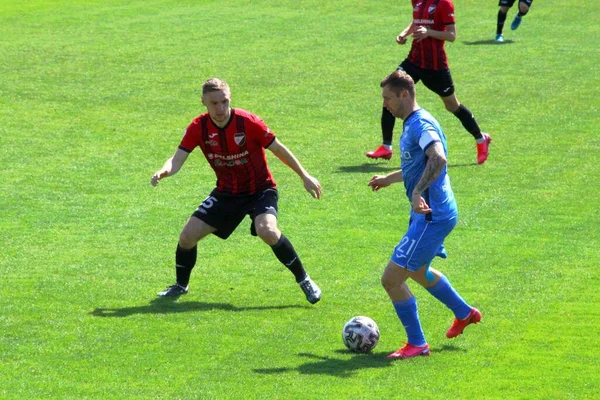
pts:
pixel 95 96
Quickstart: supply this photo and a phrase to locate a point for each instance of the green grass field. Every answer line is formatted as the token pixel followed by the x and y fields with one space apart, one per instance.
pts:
pixel 95 95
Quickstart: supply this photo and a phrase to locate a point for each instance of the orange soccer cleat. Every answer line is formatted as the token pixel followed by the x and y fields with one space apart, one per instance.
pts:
pixel 410 351
pixel 483 149
pixel 459 325
pixel 380 152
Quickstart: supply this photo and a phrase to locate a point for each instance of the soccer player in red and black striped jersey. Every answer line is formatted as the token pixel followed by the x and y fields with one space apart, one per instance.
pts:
pixel 233 142
pixel 433 24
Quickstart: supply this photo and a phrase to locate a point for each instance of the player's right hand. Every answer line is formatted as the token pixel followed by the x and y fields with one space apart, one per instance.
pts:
pixel 419 205
pixel 157 177
pixel 401 39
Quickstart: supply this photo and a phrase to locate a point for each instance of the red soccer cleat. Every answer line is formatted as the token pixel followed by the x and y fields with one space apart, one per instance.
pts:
pixel 380 152
pixel 483 149
pixel 459 325
pixel 410 351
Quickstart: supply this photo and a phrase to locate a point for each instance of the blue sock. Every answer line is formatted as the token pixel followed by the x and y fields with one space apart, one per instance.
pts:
pixel 444 292
pixel 407 312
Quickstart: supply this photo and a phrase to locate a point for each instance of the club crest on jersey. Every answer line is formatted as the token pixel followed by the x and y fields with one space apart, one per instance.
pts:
pixel 240 138
pixel 431 9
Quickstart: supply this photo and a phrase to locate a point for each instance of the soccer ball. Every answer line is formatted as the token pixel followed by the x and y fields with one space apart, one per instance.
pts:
pixel 360 334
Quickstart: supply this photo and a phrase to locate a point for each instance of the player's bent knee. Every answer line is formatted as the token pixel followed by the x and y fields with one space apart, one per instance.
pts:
pixel 523 8
pixel 390 283
pixel 188 238
pixel 187 241
pixel 270 235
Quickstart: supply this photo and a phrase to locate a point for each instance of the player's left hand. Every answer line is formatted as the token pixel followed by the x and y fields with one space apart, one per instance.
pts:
pixel 420 33
pixel 419 204
pixel 313 187
pixel 378 181
pixel 157 177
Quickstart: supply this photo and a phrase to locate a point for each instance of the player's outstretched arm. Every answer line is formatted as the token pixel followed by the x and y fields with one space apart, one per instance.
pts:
pixel 380 181
pixel 436 160
pixel 311 184
pixel 171 166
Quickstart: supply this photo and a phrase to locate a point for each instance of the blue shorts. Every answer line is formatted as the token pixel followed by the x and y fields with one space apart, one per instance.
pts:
pixel 422 242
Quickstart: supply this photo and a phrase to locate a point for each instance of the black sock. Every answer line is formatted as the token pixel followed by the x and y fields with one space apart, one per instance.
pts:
pixel 285 253
pixel 500 25
pixel 185 259
pixel 387 126
pixel 468 121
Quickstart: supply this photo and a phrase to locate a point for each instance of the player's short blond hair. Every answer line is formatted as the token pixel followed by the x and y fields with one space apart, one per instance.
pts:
pixel 397 81
pixel 214 85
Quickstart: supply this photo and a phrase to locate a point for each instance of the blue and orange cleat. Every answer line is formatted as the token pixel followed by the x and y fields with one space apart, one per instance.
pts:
pixel 410 351
pixel 459 325
pixel 483 149
pixel 380 152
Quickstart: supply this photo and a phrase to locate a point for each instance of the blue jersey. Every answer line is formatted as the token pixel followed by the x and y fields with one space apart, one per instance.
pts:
pixel 421 130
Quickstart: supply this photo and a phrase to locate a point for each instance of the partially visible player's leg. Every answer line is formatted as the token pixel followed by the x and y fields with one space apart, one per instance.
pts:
pixel 267 230
pixel 214 215
pixel 404 261
pixel 265 226
pixel 394 282
pixel 523 10
pixel 441 83
pixel 384 151
pixel 468 121
pixel 465 116
pixel 186 254
pixel 440 288
pixel 504 5
pixel 434 281
pixel 502 13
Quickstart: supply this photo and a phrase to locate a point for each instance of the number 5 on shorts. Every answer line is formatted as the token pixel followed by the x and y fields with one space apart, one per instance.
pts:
pixel 208 202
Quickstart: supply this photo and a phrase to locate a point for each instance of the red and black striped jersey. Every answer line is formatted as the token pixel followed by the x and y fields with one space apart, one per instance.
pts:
pixel 235 152
pixel 429 53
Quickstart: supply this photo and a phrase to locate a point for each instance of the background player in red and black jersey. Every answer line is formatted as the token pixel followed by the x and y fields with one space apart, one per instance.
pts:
pixel 233 142
pixel 433 24
pixel 505 5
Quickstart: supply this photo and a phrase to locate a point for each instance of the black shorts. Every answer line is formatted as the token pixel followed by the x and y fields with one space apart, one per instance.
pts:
pixel 439 82
pixel 510 3
pixel 225 212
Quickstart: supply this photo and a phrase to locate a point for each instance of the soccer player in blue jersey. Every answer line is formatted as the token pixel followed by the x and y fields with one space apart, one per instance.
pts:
pixel 434 214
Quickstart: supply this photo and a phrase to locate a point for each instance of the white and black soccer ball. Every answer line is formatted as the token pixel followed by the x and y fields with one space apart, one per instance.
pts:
pixel 360 334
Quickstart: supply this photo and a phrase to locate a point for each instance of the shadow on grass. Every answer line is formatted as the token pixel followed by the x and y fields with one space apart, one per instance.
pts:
pixel 473 164
pixel 367 167
pixel 450 347
pixel 342 368
pixel 488 42
pixel 169 306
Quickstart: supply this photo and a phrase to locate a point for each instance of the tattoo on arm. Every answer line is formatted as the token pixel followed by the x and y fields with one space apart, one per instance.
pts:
pixel 433 168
